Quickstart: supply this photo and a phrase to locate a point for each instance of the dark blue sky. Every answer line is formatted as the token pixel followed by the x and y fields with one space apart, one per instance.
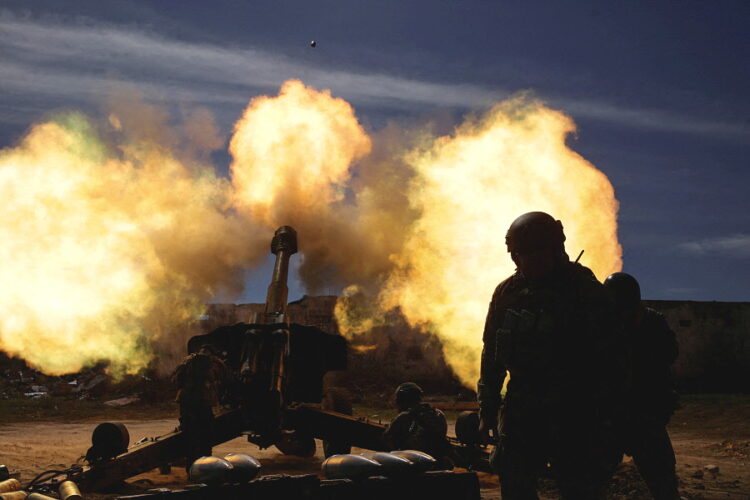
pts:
pixel 659 90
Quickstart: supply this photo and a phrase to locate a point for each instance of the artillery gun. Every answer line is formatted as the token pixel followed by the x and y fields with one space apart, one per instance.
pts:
pixel 279 368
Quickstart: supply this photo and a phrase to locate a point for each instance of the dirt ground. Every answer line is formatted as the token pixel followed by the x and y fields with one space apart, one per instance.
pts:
pixel 707 431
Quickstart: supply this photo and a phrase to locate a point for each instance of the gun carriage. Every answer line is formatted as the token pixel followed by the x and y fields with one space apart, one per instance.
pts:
pixel 278 372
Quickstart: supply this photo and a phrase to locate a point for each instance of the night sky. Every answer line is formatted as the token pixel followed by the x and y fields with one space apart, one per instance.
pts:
pixel 660 92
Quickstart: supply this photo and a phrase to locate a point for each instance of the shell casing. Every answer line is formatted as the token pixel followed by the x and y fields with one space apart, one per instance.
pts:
pixel 69 491
pixel 13 495
pixel 39 496
pixel 9 485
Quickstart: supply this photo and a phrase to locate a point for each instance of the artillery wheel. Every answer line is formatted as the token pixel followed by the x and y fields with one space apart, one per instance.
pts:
pixel 108 440
pixel 337 399
pixel 467 427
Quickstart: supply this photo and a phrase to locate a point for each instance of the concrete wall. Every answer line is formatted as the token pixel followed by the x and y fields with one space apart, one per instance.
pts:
pixel 714 340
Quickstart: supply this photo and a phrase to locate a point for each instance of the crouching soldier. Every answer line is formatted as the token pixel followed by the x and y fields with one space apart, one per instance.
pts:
pixel 199 379
pixel 418 426
pixel 652 399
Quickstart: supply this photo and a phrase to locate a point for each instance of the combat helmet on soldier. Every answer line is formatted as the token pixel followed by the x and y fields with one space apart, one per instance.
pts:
pixel 535 241
pixel 534 231
pixel 625 290
pixel 407 395
pixel 418 426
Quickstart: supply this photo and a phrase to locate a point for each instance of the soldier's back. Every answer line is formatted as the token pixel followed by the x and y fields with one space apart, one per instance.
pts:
pixel 653 348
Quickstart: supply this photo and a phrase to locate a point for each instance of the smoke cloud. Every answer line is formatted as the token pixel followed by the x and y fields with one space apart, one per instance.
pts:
pixel 128 230
pixel 112 242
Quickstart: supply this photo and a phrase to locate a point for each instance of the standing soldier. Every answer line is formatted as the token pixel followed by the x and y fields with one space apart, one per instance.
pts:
pixel 199 378
pixel 552 326
pixel 418 426
pixel 651 400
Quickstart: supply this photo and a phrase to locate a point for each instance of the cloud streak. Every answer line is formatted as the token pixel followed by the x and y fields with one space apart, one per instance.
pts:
pixel 75 63
pixel 736 245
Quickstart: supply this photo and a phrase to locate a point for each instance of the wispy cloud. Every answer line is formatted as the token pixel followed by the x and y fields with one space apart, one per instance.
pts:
pixel 77 62
pixel 737 245
pixel 680 291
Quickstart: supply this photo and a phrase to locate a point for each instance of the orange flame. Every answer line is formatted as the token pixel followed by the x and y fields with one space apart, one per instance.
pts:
pixel 106 252
pixel 468 188
pixel 437 254
pixel 107 249
pixel 292 153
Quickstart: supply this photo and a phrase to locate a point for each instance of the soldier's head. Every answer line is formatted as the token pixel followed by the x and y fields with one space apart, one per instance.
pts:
pixel 536 244
pixel 408 395
pixel 626 293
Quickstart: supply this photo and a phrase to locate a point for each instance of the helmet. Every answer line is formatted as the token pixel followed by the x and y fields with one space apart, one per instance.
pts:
pixel 534 231
pixel 624 289
pixel 408 392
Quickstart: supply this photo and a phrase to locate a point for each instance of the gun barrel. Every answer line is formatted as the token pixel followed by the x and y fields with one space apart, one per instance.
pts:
pixel 283 245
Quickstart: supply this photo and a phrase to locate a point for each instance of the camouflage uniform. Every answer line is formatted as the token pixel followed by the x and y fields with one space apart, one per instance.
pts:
pixel 422 428
pixel 559 340
pixel 199 378
pixel 651 403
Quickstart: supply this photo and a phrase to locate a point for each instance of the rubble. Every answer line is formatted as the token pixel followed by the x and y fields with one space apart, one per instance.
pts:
pixel 713 469
pixel 122 401
pixel 19 381
pixel 36 395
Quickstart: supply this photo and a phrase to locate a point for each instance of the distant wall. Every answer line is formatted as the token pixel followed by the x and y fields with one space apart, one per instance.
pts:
pixel 714 340
pixel 379 360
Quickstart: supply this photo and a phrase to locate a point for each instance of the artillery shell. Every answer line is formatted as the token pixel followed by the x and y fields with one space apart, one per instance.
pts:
pixel 210 470
pixel 69 491
pixel 9 485
pixel 421 460
pixel 244 467
pixel 393 465
pixel 38 496
pixel 350 467
pixel 13 495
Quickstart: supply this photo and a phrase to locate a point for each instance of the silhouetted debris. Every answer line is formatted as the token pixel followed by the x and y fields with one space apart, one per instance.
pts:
pixel 713 469
pixel 122 401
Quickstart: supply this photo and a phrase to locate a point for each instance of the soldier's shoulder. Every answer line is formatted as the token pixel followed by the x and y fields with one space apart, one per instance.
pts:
pixel 507 285
pixel 428 408
pixel 655 319
pixel 585 279
pixel 187 359
pixel 403 415
pixel 589 289
pixel 653 314
pixel 582 273
pixel 439 414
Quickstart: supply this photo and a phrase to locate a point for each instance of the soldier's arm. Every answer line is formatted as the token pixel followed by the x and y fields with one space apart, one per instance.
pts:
pixel 492 371
pixel 669 339
pixel 178 377
pixel 395 433
pixel 609 355
pixel 220 372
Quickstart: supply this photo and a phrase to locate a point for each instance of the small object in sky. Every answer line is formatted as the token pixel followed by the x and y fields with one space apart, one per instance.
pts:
pixel 313 43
